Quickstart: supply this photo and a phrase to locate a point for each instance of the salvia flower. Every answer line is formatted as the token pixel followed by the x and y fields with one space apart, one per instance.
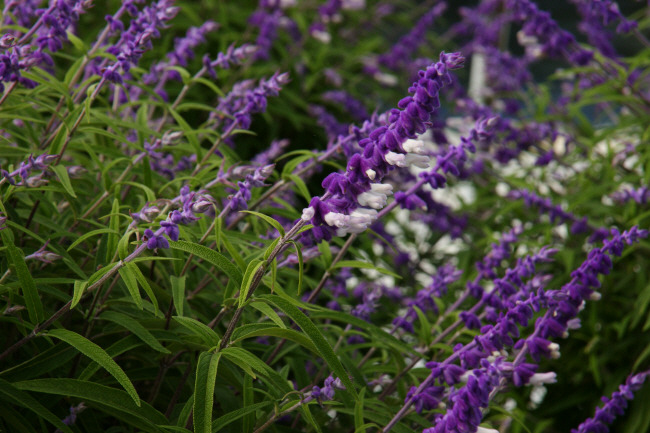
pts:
pixel 136 40
pixel 614 406
pixel 382 150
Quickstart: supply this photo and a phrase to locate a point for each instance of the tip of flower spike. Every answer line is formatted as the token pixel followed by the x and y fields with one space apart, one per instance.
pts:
pixel 452 60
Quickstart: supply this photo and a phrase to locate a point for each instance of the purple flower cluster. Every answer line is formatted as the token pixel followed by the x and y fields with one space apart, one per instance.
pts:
pixel 353 106
pixel 325 393
pixel 401 53
pixel 613 406
pixel 136 40
pixel 232 56
pixel 541 35
pixel 239 200
pixel 41 162
pixel 559 215
pixel 183 52
pixel 353 198
pixel 484 368
pixel 191 203
pixel 640 195
pixel 50 33
pixel 245 99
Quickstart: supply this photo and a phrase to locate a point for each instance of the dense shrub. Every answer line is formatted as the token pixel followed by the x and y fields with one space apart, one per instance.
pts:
pixel 339 216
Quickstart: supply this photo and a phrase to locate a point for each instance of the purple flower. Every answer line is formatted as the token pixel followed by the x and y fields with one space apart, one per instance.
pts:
pixel 613 407
pixel 383 149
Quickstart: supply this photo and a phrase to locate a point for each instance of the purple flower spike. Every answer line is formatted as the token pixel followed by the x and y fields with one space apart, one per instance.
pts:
pixel 613 407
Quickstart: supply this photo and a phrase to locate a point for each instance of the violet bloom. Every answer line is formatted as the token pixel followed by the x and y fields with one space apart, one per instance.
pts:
pixel 613 407
pixel 239 200
pixel 21 12
pixel 246 99
pixel 400 54
pixel 232 56
pixel 541 35
pixel 268 18
pixel 353 106
pixel 276 148
pixel 191 204
pixel 50 33
pixel 136 40
pixel 183 52
pixel 41 162
pixel 640 195
pixel 353 198
pixel 333 128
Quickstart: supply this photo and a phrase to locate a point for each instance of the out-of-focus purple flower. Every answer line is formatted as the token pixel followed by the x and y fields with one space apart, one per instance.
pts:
pixel 41 162
pixel 43 255
pixel 246 99
pixel 400 54
pixel 613 407
pixel 136 40
pixel 351 105
pixel 276 148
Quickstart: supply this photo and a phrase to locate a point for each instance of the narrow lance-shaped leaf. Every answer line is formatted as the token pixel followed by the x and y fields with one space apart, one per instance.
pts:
pixel 135 327
pixel 178 293
pixel 97 354
pixel 315 335
pixel 213 257
pixel 206 376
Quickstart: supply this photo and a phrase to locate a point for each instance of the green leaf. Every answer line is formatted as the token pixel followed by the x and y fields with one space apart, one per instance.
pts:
pixel 251 269
pixel 128 275
pixel 268 219
pixel 358 410
pixel 178 293
pixel 248 399
pixel 90 391
pixel 25 400
pixel 203 331
pixel 213 257
pixel 364 265
pixel 268 312
pixel 79 288
pixel 230 417
pixel 300 265
pixel 376 333
pixel 325 253
pixel 97 354
pixel 300 184
pixel 62 174
pixel 89 235
pixel 246 360
pixel 144 284
pixel 135 327
pixel 114 224
pixel 314 335
pixel 272 331
pixel 206 376
pixel 28 286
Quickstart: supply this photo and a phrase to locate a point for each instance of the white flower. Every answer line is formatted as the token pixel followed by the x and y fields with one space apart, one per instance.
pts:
pixel 360 219
pixel 336 219
pixel 413 146
pixel 321 36
pixel 372 199
pixel 397 159
pixel 371 174
pixel 308 213
pixel 542 378
pixel 421 161
pixel 382 188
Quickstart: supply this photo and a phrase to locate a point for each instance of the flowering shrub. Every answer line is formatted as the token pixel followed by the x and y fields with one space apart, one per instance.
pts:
pixel 331 216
